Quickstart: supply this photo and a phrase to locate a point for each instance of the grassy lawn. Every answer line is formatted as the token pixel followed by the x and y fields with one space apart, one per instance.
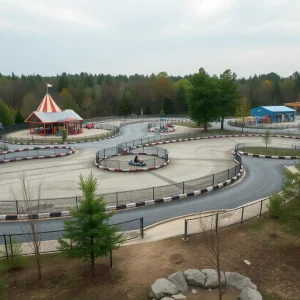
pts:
pixel 190 125
pixel 271 151
pixel 275 266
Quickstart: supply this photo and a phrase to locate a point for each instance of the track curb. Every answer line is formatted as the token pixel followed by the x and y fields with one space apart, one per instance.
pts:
pixel 71 151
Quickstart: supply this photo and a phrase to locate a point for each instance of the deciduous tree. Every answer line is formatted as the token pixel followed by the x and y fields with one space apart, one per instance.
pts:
pixel 5 115
pixel 228 95
pixel 243 110
pixel 267 138
pixel 68 101
pixel 203 98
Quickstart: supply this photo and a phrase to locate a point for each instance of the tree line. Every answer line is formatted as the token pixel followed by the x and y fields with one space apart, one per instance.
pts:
pixel 105 95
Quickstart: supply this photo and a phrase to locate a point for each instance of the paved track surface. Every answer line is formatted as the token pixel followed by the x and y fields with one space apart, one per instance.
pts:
pixel 263 177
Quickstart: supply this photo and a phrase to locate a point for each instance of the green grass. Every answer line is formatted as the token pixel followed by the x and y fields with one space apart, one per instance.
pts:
pixel 271 151
pixel 191 125
pixel 290 217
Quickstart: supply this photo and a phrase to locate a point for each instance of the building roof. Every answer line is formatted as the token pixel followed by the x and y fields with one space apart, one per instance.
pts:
pixel 48 105
pixel 67 115
pixel 278 108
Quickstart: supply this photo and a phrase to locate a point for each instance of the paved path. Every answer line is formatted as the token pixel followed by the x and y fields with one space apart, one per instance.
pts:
pixel 263 177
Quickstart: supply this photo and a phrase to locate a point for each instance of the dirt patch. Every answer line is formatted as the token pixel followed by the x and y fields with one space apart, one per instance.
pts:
pixel 274 268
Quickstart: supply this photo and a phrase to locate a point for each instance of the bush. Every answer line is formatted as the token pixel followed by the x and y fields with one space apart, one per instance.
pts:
pixel 64 136
pixel 275 206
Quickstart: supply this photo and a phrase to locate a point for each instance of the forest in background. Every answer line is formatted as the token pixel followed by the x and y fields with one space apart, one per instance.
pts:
pixel 106 95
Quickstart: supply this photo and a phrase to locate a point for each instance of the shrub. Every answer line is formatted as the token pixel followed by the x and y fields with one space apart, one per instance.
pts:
pixel 275 206
pixel 64 136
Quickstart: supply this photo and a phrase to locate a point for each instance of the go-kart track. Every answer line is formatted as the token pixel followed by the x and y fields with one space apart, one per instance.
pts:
pixel 188 160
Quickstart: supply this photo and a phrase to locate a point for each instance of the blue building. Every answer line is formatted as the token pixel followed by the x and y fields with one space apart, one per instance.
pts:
pixel 273 114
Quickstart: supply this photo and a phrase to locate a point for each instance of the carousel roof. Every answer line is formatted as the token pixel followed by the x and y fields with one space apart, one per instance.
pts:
pixel 48 105
pixel 67 115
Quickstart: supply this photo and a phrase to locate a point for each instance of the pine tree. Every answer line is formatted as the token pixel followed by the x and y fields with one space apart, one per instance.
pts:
pixel 88 235
pixel 19 118
pixel 125 105
pixel 162 113
pixel 168 106
pixel 147 110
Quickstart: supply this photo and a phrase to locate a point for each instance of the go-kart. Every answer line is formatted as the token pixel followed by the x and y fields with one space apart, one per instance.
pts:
pixel 137 164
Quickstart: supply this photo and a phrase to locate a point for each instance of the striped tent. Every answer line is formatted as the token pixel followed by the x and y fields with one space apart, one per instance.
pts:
pixel 48 105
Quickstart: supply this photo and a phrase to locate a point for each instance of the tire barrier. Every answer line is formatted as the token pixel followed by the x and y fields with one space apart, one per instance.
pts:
pixel 67 213
pixel 243 145
pixel 55 151
pixel 103 162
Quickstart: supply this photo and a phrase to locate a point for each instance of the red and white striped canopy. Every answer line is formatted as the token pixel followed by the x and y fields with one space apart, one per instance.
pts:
pixel 48 105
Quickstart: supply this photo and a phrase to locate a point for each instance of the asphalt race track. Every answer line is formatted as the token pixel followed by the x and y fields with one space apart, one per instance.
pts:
pixel 263 177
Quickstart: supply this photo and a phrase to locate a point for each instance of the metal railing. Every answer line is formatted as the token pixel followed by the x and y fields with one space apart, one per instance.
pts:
pixel 280 125
pixel 131 229
pixel 119 198
pixel 214 221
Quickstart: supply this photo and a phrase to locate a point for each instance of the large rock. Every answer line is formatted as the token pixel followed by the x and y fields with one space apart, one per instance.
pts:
pixel 179 280
pixel 239 281
pixel 166 298
pixel 250 294
pixel 194 277
pixel 163 287
pixel 212 280
pixel 179 297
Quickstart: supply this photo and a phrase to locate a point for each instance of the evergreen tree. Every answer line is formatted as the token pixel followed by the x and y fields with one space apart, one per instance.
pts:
pixel 125 107
pixel 5 115
pixel 19 118
pixel 162 113
pixel 168 106
pixel 147 110
pixel 88 235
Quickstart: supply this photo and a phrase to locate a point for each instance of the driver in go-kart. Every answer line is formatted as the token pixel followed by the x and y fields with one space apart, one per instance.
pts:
pixel 137 159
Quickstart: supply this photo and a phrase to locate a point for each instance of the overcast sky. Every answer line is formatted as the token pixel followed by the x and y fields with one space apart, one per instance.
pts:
pixel 48 37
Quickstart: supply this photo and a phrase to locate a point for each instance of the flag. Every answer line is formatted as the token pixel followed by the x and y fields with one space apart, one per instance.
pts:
pixel 49 85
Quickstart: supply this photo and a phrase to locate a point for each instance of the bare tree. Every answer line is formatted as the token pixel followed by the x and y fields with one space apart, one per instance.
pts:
pixel 29 210
pixel 267 138
pixel 214 243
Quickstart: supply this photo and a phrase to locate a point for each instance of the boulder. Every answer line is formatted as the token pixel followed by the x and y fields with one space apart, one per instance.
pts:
pixel 194 277
pixel 250 294
pixel 179 297
pixel 166 298
pixel 212 280
pixel 239 281
pixel 179 280
pixel 162 287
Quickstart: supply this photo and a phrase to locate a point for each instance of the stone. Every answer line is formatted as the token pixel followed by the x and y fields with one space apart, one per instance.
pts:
pixel 239 281
pixel 166 298
pixel 194 291
pixel 250 294
pixel 194 277
pixel 179 280
pixel 162 287
pixel 179 297
pixel 212 280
